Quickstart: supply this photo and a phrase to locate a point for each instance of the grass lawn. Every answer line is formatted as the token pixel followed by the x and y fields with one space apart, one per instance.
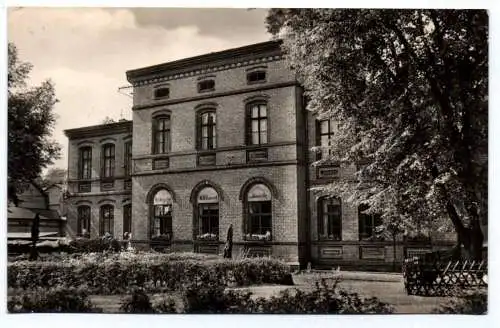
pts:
pixel 390 291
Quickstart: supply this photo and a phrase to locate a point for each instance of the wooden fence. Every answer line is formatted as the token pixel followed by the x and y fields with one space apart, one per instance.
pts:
pixel 443 278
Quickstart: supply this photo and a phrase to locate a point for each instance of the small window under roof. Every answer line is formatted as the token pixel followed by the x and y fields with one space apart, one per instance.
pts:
pixel 207 85
pixel 162 92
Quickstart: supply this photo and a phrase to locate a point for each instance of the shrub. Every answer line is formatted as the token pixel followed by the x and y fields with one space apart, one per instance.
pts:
pixel 120 274
pixel 165 305
pixel 471 302
pixel 53 300
pixel 323 299
pixel 138 302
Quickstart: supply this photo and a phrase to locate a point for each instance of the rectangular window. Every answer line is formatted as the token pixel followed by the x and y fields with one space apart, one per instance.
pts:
pixel 207 130
pixel 161 135
pixel 326 132
pixel 128 159
pixel 107 220
pixel 255 77
pixel 367 224
pixel 258 127
pixel 330 219
pixel 108 159
pixel 209 219
pixel 127 218
pixel 260 217
pixel 83 228
pixel 208 85
pixel 85 161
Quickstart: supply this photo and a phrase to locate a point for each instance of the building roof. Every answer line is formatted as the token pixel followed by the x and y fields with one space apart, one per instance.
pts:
pixel 248 51
pixel 22 213
pixel 123 126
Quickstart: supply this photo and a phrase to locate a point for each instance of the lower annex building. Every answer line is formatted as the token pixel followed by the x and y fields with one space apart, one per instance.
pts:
pixel 217 140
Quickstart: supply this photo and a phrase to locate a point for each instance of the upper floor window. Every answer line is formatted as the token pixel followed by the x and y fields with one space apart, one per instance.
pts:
pixel 207 85
pixel 330 218
pixel 257 124
pixel 162 92
pixel 368 224
pixel 161 135
pixel 106 220
pixel 85 163
pixel 325 132
pixel 255 77
pixel 128 158
pixel 108 161
pixel 207 137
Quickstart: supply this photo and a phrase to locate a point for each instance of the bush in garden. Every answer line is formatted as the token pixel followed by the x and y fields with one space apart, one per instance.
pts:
pixel 69 300
pixel 212 298
pixel 138 302
pixel 323 299
pixel 165 305
pixel 115 275
pixel 470 302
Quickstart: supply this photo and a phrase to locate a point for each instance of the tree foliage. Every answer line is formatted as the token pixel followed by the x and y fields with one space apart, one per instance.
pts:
pixel 409 89
pixel 53 176
pixel 30 124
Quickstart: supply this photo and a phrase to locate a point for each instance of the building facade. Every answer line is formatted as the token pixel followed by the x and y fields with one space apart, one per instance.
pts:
pixel 215 141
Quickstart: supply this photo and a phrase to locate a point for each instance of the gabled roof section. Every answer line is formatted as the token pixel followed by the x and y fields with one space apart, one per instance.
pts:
pixel 206 61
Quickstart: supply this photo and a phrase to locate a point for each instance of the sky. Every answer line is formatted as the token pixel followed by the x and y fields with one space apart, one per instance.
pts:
pixel 86 51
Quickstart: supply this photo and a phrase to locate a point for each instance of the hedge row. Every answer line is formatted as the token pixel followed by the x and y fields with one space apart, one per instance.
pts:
pixel 118 276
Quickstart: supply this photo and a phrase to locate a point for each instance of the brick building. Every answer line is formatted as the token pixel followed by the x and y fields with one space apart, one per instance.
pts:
pixel 217 140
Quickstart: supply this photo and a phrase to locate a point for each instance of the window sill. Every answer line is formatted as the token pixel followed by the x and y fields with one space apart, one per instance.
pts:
pixel 256 82
pixel 206 90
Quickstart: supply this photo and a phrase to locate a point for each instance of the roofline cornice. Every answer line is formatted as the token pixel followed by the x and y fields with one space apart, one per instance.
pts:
pixel 208 63
pixel 99 130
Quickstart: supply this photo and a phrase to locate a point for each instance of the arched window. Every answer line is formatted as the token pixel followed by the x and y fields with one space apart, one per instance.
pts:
pixel 258 211
pixel 161 135
pixel 206 130
pixel 127 218
pixel 368 223
pixel 106 220
pixel 83 222
pixel 161 220
pixel 207 219
pixel 330 218
pixel 108 161
pixel 257 131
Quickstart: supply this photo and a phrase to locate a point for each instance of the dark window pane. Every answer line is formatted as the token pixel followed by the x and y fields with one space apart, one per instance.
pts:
pixel 162 93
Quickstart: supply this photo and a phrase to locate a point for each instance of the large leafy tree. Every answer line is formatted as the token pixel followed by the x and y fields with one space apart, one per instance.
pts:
pixel 30 124
pixel 409 89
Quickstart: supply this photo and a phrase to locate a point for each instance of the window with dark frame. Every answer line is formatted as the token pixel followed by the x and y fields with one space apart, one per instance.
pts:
pixel 128 159
pixel 257 124
pixel 162 220
pixel 367 223
pixel 330 219
pixel 162 92
pixel 106 220
pixel 83 226
pixel 161 135
pixel 127 218
pixel 108 161
pixel 259 217
pixel 85 163
pixel 208 219
pixel 257 76
pixel 207 85
pixel 207 133
pixel 325 132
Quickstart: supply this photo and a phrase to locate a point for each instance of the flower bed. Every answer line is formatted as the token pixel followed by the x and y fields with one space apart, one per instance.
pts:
pixel 155 273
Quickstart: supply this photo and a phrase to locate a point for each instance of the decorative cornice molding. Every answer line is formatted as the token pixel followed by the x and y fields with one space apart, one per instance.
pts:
pixel 99 130
pixel 209 63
